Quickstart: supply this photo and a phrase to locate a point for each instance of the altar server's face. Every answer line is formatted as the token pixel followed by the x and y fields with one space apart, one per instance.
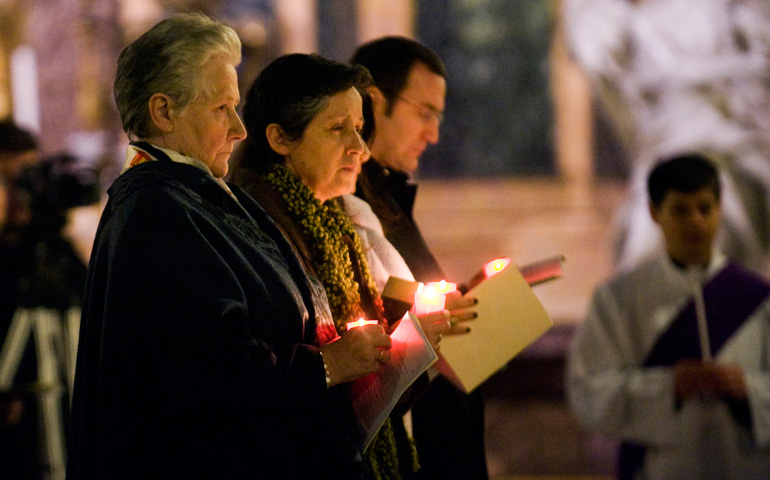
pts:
pixel 689 222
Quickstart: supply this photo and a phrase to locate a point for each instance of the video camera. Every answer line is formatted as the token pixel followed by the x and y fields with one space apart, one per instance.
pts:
pixel 49 272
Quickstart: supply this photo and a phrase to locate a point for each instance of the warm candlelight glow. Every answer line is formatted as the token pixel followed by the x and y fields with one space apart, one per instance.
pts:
pixel 360 323
pixel 496 266
pixel 428 299
pixel 443 286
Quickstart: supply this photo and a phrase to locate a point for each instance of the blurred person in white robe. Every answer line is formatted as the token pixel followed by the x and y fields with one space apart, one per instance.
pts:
pixel 673 357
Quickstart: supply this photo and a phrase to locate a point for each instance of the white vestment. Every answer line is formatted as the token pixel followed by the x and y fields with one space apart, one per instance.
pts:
pixel 611 392
pixel 384 260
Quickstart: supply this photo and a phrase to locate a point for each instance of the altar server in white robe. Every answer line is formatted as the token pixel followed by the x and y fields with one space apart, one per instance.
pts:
pixel 673 357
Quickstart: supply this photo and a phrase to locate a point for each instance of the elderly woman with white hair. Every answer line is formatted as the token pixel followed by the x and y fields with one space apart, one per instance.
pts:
pixel 199 353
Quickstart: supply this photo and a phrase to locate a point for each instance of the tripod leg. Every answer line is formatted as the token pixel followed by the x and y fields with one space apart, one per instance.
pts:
pixel 71 333
pixel 45 322
pixel 13 347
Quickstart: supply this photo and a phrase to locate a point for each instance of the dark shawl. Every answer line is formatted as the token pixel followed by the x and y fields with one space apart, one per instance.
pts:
pixel 196 354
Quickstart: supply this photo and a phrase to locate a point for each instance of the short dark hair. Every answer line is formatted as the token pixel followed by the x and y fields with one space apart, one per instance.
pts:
pixel 684 173
pixel 389 60
pixel 290 92
pixel 14 139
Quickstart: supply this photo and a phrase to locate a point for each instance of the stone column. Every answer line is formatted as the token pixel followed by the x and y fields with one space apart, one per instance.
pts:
pixel 377 18
pixel 573 114
pixel 297 25
pixel 11 33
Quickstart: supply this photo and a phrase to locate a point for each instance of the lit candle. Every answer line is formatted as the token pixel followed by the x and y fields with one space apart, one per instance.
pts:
pixel 443 286
pixel 360 323
pixel 489 269
pixel 427 300
pixel 495 266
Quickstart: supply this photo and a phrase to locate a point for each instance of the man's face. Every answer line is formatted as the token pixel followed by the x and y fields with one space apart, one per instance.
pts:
pixel 689 222
pixel 401 136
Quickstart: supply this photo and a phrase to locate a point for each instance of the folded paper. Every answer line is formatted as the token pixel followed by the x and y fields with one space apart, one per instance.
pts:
pixel 509 318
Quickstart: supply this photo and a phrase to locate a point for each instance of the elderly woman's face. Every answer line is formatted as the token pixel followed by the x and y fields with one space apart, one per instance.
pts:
pixel 208 128
pixel 329 154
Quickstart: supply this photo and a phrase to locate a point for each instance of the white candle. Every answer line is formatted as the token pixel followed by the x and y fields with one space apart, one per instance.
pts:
pixel 360 323
pixel 427 299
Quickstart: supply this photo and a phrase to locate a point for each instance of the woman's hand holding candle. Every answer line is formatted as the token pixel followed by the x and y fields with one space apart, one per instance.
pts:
pixel 460 309
pixel 435 325
pixel 358 352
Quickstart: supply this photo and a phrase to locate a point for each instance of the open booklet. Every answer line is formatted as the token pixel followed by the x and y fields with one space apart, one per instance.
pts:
pixel 374 396
pixel 510 317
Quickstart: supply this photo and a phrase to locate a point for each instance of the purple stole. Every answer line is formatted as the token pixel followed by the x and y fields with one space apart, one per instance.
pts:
pixel 731 297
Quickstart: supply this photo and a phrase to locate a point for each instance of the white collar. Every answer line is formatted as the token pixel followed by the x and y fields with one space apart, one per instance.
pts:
pixel 136 155
pixel 716 263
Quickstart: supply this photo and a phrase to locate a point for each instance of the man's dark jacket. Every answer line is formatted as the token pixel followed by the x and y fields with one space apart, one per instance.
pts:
pixel 448 424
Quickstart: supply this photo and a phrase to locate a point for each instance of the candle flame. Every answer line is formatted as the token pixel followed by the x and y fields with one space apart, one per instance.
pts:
pixel 360 323
pixel 443 286
pixel 496 266
pixel 429 292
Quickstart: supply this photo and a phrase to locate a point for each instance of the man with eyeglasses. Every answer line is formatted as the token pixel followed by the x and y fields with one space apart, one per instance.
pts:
pixel 402 115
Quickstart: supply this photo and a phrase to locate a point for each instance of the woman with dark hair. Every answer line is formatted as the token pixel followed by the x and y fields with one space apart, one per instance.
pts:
pixel 304 118
pixel 202 350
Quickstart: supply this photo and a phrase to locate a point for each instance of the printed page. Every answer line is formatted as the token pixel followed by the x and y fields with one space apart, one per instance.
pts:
pixel 374 396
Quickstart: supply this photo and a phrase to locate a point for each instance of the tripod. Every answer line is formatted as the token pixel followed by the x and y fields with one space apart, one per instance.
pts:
pixel 56 335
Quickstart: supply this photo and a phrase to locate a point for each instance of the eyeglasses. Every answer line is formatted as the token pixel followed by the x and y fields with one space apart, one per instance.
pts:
pixel 427 113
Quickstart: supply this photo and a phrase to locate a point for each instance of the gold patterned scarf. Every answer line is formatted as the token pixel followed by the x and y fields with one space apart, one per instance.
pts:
pixel 325 227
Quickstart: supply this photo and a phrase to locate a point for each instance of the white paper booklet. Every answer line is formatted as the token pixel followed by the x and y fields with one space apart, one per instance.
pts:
pixel 374 396
pixel 510 317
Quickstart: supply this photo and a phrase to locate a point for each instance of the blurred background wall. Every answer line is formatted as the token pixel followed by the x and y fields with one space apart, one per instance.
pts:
pixel 516 152
pixel 57 61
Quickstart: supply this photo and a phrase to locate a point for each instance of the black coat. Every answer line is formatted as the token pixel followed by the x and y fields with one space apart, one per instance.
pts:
pixel 196 354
